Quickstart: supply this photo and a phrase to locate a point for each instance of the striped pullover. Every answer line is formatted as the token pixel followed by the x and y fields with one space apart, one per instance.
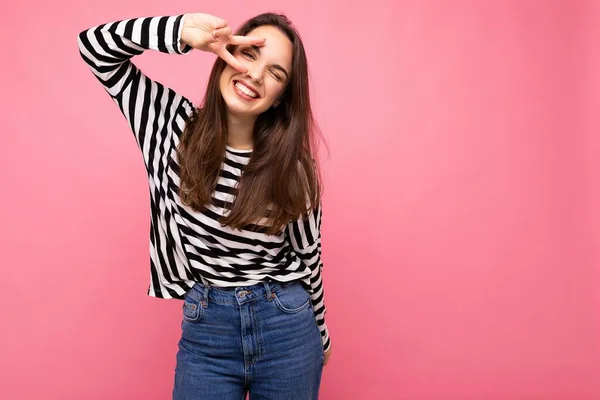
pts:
pixel 187 246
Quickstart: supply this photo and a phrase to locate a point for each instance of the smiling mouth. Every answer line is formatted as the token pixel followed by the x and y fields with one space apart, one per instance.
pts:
pixel 243 89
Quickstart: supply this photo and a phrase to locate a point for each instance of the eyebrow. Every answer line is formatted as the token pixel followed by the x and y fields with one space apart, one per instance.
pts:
pixel 277 66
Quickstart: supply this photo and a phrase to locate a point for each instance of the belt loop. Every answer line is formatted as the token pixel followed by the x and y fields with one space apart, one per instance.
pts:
pixel 205 299
pixel 269 294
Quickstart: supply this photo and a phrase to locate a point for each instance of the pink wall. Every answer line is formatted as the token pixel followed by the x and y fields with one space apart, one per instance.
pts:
pixel 461 227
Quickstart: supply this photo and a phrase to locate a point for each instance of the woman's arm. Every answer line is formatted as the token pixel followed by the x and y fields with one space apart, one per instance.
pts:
pixel 149 106
pixel 305 238
pixel 108 48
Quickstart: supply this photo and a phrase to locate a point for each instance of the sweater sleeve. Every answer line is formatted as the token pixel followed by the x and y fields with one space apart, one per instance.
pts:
pixel 305 237
pixel 150 108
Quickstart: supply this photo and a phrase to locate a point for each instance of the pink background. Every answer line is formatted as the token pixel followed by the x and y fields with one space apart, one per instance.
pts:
pixel 461 220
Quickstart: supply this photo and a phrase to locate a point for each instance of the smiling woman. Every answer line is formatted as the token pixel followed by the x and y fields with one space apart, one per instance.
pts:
pixel 236 200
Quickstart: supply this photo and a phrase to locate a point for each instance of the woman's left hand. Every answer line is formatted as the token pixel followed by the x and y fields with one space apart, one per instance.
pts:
pixel 327 355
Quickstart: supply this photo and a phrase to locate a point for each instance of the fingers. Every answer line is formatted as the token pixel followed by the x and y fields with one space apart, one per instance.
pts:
pixel 231 60
pixel 222 32
pixel 247 40
pixel 220 23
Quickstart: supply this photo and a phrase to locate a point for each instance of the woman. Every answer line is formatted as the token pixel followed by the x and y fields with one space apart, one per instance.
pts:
pixel 235 200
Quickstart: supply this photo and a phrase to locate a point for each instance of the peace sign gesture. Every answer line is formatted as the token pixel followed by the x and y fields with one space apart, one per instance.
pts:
pixel 212 34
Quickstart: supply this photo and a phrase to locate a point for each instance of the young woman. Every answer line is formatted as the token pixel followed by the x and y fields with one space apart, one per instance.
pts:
pixel 235 200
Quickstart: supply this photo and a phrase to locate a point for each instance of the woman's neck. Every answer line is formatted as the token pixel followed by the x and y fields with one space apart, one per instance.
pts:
pixel 240 134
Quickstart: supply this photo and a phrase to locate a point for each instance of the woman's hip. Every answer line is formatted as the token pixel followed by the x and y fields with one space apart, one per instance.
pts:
pixel 270 319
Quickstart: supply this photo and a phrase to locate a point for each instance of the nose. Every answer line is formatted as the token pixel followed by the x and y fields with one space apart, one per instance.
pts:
pixel 254 74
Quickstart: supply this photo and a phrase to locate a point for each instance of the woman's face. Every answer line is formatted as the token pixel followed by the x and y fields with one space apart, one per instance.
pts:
pixel 269 68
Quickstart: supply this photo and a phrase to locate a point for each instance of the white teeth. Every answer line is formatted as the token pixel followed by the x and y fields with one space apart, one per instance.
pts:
pixel 245 90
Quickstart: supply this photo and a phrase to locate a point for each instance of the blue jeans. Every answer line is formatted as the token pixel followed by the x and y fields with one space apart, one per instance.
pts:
pixel 261 339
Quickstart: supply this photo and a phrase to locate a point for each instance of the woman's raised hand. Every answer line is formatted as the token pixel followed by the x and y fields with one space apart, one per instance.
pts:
pixel 209 33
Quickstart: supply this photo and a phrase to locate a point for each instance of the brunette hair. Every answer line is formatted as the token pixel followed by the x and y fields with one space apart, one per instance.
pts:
pixel 282 180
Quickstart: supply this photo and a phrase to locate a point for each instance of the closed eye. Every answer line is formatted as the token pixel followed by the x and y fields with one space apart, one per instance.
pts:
pixel 277 77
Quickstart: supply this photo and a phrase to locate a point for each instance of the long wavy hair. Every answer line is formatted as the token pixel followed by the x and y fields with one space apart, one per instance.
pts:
pixel 282 180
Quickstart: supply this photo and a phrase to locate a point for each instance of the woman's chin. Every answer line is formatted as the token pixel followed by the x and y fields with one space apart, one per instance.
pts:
pixel 238 108
pixel 239 111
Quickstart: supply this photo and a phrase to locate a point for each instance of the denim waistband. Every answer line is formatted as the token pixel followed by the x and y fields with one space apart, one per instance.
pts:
pixel 206 293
